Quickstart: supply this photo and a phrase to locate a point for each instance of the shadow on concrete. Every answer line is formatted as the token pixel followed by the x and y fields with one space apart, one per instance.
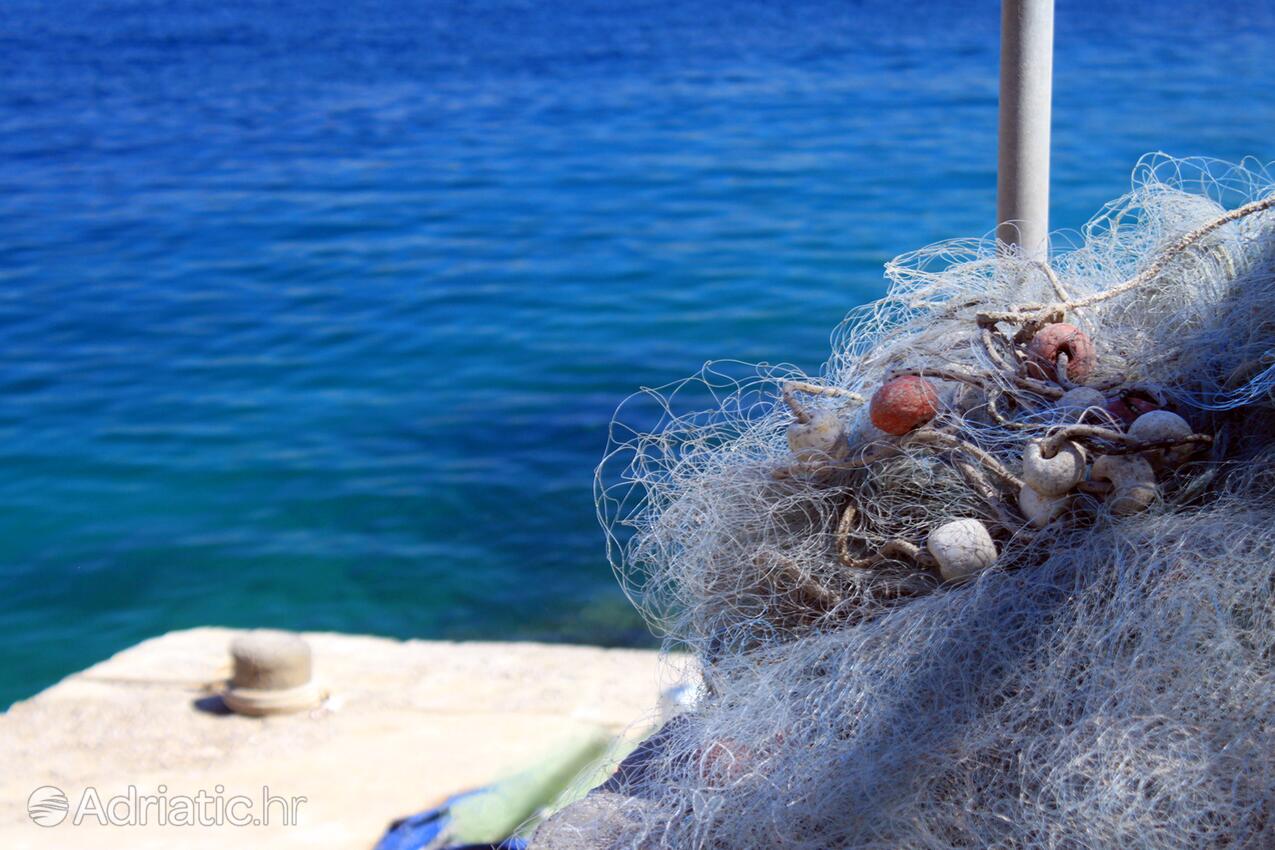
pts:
pixel 212 704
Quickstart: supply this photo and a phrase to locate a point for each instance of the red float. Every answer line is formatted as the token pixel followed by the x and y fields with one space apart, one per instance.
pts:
pixel 1061 338
pixel 1130 404
pixel 903 404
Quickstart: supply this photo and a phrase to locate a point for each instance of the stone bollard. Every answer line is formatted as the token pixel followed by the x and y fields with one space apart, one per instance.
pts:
pixel 272 674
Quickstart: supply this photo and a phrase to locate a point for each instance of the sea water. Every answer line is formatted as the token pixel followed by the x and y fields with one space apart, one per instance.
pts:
pixel 313 314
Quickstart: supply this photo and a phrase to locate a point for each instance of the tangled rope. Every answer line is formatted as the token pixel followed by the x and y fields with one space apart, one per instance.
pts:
pixel 1000 576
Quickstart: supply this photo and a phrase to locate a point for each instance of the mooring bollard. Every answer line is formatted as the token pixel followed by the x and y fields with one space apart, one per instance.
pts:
pixel 272 674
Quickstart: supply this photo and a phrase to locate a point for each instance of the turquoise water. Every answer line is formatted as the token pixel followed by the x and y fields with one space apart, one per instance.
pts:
pixel 314 314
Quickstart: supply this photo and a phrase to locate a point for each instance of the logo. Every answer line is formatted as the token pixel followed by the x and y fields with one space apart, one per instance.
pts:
pixel 47 806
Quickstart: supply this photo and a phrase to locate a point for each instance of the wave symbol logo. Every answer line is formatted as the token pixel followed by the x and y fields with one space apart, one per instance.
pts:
pixel 47 806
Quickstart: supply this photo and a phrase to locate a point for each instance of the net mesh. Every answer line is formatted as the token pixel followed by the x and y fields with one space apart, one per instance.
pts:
pixel 1107 682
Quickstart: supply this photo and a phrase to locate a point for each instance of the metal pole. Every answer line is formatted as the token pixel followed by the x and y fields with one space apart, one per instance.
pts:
pixel 1027 69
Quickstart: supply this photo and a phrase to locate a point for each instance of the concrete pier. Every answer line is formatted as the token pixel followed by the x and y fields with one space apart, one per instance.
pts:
pixel 407 724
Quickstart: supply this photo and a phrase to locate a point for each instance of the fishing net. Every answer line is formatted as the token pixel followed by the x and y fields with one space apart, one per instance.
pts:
pixel 1000 576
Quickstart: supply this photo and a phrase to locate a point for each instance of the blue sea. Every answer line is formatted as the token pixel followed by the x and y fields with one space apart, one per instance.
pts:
pixel 313 314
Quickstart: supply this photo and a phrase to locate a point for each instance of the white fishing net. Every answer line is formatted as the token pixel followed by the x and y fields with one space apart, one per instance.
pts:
pixel 1108 681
